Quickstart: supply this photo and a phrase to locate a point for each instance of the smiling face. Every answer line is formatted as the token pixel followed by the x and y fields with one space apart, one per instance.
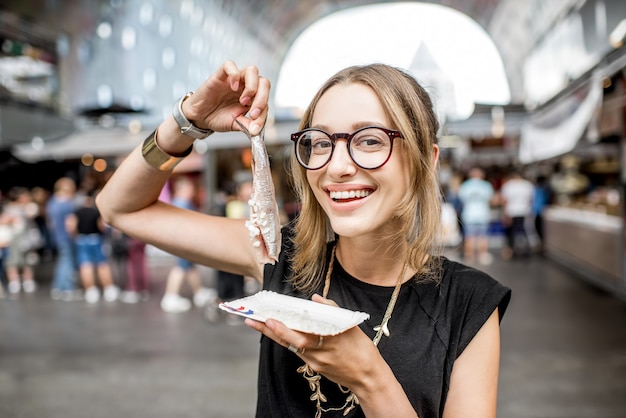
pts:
pixel 356 201
pixel 391 208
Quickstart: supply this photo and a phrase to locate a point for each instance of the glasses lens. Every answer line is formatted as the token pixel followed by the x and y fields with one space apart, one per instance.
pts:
pixel 370 148
pixel 314 149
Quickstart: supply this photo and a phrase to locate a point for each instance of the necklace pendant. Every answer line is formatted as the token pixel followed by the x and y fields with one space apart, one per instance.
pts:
pixel 384 327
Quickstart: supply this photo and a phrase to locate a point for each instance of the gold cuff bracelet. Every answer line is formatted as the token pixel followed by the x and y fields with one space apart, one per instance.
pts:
pixel 158 158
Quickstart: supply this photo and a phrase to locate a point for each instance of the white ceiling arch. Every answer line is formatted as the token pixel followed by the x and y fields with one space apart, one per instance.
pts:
pixel 261 30
pixel 515 26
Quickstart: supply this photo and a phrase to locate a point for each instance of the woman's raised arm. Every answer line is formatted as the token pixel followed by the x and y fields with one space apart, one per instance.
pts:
pixel 129 200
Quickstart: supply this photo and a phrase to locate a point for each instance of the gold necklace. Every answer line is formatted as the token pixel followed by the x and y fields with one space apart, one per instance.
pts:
pixel 314 378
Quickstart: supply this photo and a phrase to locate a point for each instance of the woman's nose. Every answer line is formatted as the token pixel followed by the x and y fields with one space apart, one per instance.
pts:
pixel 341 162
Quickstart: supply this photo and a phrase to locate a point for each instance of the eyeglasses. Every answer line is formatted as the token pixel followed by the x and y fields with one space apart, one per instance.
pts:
pixel 369 147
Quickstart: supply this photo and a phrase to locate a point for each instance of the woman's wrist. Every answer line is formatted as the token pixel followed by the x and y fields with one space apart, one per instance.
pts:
pixel 174 140
pixel 381 395
pixel 187 126
pixel 159 159
pixel 171 140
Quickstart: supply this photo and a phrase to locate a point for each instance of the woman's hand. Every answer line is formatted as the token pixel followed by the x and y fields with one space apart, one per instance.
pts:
pixel 348 358
pixel 229 93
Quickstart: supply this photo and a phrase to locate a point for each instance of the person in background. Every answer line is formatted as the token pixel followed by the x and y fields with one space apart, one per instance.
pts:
pixel 25 241
pixel 541 199
pixel 6 233
pixel 172 301
pixel 40 197
pixel 476 194
pixel 366 239
pixel 230 286
pixel 117 243
pixel 452 197
pixel 60 206
pixel 136 272
pixel 517 200
pixel 87 228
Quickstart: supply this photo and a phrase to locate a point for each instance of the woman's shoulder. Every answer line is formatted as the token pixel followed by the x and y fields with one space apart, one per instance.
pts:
pixel 462 302
pixel 463 289
pixel 459 276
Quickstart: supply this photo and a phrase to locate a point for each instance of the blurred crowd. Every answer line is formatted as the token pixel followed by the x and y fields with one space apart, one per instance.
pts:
pixel 485 213
pixel 494 211
pixel 62 227
pixel 61 230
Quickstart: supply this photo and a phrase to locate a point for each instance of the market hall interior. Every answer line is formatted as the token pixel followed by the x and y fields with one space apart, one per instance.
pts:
pixel 563 350
pixel 65 112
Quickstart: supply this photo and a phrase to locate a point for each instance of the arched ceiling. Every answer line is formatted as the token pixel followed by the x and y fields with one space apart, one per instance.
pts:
pixel 513 25
pixel 272 26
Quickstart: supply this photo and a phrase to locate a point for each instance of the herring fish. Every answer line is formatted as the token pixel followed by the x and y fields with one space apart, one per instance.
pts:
pixel 264 223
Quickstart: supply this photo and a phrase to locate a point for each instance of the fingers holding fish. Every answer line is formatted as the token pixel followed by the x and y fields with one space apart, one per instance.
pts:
pixel 253 88
pixel 259 107
pixel 230 92
pixel 230 73
pixel 255 96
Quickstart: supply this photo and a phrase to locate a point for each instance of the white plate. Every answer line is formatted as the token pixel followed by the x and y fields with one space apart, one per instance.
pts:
pixel 296 313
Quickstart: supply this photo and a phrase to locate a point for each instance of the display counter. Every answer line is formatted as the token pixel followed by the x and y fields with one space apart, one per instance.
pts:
pixel 590 243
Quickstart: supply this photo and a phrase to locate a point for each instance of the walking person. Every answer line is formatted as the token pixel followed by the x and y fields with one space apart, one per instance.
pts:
pixel 25 240
pixel 517 195
pixel 6 234
pixel 476 194
pixel 184 269
pixel 136 272
pixel 87 228
pixel 541 199
pixel 364 166
pixel 230 286
pixel 40 197
pixel 118 251
pixel 60 206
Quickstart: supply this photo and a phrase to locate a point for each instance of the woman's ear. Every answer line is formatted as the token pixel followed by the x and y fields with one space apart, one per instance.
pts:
pixel 435 155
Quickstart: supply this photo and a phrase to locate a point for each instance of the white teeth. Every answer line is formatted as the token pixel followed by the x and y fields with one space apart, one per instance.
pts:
pixel 349 194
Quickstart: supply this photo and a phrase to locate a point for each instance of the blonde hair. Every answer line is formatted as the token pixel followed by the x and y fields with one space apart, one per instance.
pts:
pixel 410 110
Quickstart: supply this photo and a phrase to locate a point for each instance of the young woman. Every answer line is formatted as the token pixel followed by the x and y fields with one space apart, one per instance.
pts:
pixel 365 169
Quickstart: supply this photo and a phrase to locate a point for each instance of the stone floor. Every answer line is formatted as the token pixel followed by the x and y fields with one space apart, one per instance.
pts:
pixel 563 353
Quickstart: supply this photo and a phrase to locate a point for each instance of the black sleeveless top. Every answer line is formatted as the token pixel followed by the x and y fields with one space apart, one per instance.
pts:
pixel 430 327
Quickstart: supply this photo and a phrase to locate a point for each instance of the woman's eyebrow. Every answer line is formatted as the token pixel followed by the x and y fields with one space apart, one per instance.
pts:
pixel 355 126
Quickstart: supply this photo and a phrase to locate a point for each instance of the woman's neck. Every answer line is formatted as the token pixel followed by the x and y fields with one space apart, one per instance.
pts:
pixel 373 262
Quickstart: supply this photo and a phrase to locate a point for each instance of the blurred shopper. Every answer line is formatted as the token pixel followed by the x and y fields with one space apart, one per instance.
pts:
pixel 60 206
pixel 41 196
pixel 172 301
pixel 230 286
pixel 476 194
pixel 541 199
pixel 118 251
pixel 136 272
pixel 88 230
pixel 452 196
pixel 21 212
pixel 517 195
pixel 6 233
pixel 451 208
